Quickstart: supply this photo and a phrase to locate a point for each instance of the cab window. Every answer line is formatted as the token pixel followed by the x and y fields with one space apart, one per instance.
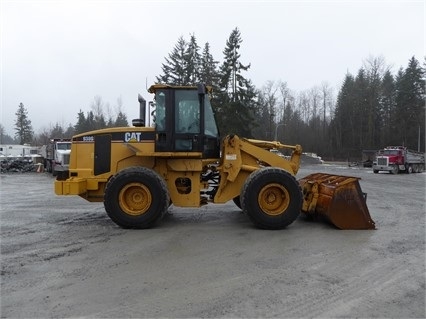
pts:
pixel 210 127
pixel 160 111
pixel 187 111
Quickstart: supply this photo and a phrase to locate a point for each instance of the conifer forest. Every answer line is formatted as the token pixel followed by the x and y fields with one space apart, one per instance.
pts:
pixel 371 109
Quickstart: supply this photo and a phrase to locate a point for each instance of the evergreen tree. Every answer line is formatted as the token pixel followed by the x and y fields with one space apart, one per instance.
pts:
pixel 237 104
pixel 110 122
pixel 175 68
pixel 192 62
pixel 266 112
pixel 69 133
pixel 121 120
pixel 99 122
pixel 360 114
pixel 343 123
pixel 386 110
pixel 409 116
pixel 374 72
pixel 57 131
pixel 5 138
pixel 293 126
pixel 264 117
pixel 208 68
pixel 90 121
pixel 81 125
pixel 24 131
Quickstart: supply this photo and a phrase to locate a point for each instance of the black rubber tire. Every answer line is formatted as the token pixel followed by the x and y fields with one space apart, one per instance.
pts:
pixel 152 183
pixel 237 201
pixel 48 167
pixel 253 186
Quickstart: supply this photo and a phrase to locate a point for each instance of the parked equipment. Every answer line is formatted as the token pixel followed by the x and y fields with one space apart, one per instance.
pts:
pixel 56 156
pixel 138 172
pixel 395 159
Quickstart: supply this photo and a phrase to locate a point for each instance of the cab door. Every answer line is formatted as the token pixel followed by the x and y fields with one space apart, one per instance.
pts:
pixel 188 134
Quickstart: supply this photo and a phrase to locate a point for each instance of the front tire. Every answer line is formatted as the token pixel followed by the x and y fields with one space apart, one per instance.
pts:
pixel 48 166
pixel 237 201
pixel 272 198
pixel 136 197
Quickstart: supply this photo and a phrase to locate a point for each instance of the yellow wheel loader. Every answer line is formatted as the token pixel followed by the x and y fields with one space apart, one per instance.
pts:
pixel 139 171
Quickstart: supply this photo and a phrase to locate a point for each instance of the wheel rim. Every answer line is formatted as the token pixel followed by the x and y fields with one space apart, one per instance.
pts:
pixel 274 199
pixel 135 199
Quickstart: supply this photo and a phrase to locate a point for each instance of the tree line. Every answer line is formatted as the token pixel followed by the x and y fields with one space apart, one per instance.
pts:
pixel 100 116
pixel 372 109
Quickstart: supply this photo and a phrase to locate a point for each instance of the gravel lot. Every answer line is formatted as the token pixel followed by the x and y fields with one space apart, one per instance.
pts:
pixel 63 257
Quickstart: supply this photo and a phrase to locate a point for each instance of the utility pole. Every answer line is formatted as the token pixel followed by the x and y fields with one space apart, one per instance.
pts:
pixel 418 141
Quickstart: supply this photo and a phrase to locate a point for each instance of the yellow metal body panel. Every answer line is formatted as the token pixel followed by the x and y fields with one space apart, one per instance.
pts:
pixel 240 157
pixel 72 186
pixel 183 181
pixel 182 171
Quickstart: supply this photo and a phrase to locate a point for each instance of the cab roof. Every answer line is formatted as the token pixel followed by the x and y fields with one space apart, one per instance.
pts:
pixel 153 88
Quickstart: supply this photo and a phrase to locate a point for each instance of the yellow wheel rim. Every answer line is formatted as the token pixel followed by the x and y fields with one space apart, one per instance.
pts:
pixel 135 199
pixel 273 199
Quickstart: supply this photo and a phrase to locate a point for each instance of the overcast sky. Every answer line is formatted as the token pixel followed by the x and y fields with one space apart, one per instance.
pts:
pixel 56 56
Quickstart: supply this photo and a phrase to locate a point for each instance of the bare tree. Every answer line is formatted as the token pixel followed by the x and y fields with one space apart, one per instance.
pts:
pixel 98 112
pixel 327 102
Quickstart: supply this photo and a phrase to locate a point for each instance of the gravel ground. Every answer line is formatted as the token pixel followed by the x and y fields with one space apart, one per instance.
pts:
pixel 63 257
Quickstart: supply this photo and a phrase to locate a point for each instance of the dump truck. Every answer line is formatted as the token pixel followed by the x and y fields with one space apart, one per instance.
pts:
pixel 396 159
pixel 139 171
pixel 56 155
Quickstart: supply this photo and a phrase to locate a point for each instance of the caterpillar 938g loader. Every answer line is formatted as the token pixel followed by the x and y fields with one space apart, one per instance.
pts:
pixel 139 171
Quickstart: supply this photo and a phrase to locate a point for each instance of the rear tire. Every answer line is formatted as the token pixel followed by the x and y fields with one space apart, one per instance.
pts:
pixel 48 166
pixel 272 198
pixel 136 197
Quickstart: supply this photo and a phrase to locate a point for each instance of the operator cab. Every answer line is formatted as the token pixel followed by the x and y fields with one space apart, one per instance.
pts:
pixel 184 120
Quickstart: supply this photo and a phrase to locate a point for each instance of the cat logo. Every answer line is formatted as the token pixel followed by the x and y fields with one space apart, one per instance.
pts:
pixel 132 137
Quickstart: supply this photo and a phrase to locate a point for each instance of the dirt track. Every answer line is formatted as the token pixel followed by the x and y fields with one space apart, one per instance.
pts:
pixel 63 257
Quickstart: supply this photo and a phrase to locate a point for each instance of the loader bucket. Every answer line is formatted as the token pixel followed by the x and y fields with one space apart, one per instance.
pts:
pixel 338 199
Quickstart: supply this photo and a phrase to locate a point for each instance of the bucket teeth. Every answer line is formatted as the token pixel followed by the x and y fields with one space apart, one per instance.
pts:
pixel 338 199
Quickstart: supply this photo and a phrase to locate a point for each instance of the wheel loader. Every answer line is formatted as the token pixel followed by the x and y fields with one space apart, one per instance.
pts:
pixel 179 159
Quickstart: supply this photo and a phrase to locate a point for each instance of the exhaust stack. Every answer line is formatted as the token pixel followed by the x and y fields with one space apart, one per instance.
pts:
pixel 140 122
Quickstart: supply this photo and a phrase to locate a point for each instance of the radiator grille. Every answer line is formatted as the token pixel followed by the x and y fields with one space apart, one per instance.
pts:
pixel 383 161
pixel 66 159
